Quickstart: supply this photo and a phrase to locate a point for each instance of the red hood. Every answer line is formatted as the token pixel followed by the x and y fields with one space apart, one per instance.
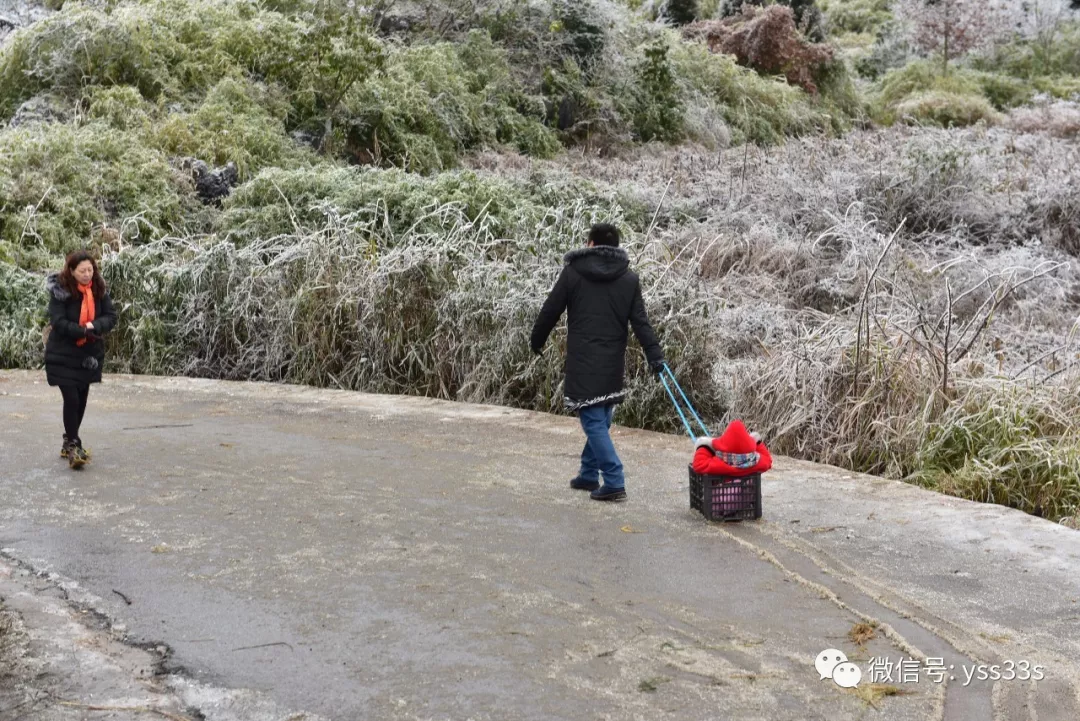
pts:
pixel 736 439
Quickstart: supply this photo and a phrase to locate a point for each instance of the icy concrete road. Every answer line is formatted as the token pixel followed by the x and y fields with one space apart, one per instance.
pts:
pixel 369 557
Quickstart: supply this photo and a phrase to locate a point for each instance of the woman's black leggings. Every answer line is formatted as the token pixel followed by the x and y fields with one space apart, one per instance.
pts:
pixel 74 408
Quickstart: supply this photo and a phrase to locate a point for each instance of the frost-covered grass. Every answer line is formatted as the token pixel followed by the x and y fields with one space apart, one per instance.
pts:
pixel 900 301
pixel 981 223
pixel 442 307
pixel 928 241
pixel 7 635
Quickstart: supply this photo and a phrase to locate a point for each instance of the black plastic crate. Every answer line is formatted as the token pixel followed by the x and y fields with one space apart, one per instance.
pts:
pixel 726 498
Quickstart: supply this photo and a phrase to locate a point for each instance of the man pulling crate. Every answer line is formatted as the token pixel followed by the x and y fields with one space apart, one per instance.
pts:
pixel 601 296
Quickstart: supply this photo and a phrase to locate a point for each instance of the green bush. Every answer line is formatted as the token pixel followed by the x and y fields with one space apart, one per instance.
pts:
pixel 233 124
pixel 179 49
pixel 658 106
pixel 120 106
pixel 946 109
pixel 436 101
pixel 891 50
pixel 1011 445
pixel 245 76
pixel 709 99
pixel 922 76
pixel 839 95
pixel 392 203
pixel 587 110
pixel 1004 92
pixel 757 109
pixel 579 29
pixel 80 47
pixel 22 316
pixel 1065 87
pixel 919 92
pixel 230 79
pixel 856 16
pixel 927 93
pixel 58 181
pixel 680 12
pixel 278 201
pixel 585 94
pixel 1050 55
pixel 1050 63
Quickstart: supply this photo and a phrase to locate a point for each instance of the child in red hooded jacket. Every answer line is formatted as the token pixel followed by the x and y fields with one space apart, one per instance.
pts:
pixel 736 453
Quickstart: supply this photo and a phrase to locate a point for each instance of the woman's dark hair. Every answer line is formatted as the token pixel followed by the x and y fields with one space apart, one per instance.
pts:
pixel 604 234
pixel 67 275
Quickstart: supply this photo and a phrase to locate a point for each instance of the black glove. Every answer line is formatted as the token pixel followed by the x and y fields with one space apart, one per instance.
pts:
pixel 90 363
pixel 657 367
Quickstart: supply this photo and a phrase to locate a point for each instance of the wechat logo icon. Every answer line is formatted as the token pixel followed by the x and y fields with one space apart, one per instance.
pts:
pixel 833 663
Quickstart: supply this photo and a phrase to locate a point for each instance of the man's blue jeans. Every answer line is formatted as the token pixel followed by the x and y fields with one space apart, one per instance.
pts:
pixel 599 454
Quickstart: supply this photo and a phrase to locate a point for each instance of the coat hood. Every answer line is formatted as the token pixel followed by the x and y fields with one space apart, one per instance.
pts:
pixel 735 440
pixel 735 454
pixel 52 284
pixel 601 262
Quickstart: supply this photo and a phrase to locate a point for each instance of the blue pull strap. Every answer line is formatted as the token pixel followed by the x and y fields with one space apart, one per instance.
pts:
pixel 678 408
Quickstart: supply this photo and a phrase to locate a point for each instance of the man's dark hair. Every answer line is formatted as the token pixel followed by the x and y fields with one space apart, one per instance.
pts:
pixel 604 234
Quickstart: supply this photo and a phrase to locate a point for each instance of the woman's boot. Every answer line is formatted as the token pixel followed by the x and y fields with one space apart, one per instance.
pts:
pixel 77 455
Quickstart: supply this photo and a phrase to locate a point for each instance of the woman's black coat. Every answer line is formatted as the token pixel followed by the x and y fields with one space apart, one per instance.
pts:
pixel 65 362
pixel 601 295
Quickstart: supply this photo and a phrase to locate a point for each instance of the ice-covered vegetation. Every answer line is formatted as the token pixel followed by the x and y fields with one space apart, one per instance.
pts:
pixel 860 242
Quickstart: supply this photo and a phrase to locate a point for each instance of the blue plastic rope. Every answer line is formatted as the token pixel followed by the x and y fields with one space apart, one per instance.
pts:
pixel 686 400
pixel 686 423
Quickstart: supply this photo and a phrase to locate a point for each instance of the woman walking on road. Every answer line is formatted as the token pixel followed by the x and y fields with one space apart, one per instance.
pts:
pixel 80 312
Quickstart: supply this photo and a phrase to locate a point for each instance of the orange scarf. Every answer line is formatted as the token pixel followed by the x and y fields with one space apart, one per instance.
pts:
pixel 86 315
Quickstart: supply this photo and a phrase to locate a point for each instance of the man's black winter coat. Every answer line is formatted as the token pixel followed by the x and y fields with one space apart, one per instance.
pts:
pixel 601 296
pixel 65 362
